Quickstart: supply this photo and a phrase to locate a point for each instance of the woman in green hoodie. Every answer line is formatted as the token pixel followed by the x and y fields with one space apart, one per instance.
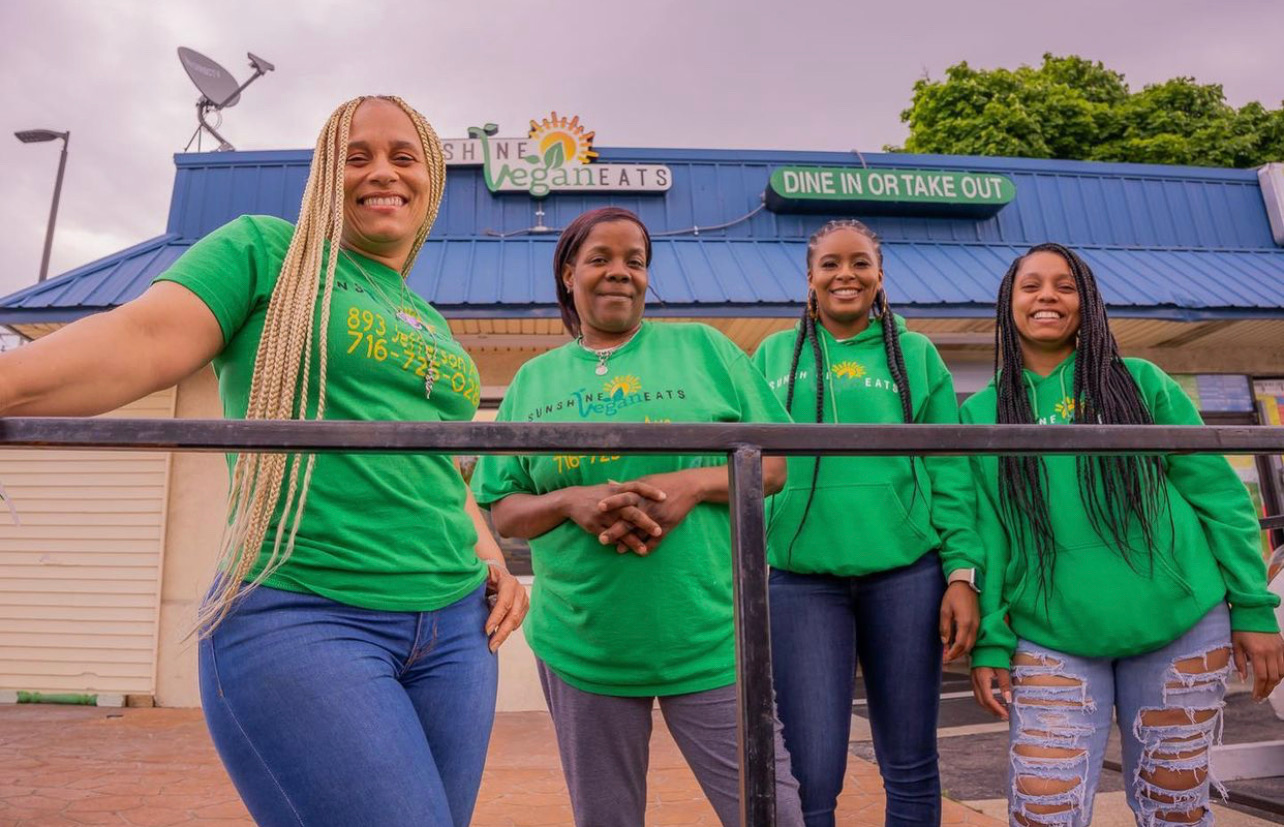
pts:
pixel 1118 584
pixel 861 547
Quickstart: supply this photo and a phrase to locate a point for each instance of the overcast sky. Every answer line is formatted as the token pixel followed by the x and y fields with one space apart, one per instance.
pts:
pixel 775 74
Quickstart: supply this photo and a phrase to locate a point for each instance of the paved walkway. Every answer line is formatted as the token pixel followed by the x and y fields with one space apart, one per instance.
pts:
pixel 69 766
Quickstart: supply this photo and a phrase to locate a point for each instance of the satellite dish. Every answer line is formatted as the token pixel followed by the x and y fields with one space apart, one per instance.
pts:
pixel 216 83
pixel 219 90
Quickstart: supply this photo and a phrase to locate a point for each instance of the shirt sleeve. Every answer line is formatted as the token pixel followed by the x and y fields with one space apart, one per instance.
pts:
pixel 499 475
pixel 754 397
pixel 995 641
pixel 953 490
pixel 231 269
pixel 1212 488
pixel 759 358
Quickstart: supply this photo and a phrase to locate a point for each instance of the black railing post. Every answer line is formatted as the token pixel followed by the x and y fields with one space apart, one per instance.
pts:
pixel 753 641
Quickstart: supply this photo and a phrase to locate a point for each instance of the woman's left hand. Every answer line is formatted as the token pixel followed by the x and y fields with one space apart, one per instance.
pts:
pixel 510 603
pixel 1265 652
pixel 960 618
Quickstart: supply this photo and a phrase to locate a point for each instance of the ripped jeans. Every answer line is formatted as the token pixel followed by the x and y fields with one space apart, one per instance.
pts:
pixel 1169 707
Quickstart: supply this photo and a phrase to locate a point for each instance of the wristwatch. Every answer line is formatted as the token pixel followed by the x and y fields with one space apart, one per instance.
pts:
pixel 970 576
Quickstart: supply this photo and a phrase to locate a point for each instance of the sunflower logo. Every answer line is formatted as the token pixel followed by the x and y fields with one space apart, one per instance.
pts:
pixel 561 141
pixel 848 370
pixel 1065 408
pixel 622 386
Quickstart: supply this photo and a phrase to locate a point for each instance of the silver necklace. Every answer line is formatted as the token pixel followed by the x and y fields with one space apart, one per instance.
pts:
pixel 605 353
pixel 403 315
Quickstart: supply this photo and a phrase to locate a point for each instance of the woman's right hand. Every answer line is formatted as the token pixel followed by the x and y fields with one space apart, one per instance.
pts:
pixel 983 679
pixel 596 508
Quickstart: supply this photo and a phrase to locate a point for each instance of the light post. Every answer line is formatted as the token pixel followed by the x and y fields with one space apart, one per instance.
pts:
pixel 31 136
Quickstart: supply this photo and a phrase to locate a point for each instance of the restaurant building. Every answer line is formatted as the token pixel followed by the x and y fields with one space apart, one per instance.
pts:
pixel 99 581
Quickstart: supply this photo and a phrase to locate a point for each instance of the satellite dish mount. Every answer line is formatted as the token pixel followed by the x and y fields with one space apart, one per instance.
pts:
pixel 218 89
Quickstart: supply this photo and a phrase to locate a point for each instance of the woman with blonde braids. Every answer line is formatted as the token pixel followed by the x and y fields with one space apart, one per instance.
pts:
pixel 347 659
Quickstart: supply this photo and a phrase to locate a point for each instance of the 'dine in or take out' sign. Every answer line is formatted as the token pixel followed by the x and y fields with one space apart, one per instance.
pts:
pixel 555 156
pixel 888 191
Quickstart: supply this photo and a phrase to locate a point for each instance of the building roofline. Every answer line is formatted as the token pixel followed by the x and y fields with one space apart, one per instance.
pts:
pixel 785 310
pixel 57 282
pixel 890 160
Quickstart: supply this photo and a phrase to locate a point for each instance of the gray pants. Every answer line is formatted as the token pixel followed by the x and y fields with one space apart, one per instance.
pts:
pixel 605 741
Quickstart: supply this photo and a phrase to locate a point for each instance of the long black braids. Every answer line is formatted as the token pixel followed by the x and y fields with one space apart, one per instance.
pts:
pixel 1119 492
pixel 807 333
pixel 895 358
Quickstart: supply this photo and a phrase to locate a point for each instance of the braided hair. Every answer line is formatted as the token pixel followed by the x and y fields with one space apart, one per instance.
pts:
pixel 292 330
pixel 807 333
pixel 1120 492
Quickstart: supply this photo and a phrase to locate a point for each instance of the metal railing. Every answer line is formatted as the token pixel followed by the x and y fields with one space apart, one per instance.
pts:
pixel 743 444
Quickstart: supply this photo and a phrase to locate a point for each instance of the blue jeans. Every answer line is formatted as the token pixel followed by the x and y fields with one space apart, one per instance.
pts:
pixel 327 714
pixel 1169 706
pixel 820 626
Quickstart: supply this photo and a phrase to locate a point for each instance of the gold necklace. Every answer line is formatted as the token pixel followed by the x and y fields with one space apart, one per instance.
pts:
pixel 413 322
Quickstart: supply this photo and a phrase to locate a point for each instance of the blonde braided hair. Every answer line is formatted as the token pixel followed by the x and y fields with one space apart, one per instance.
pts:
pixel 283 363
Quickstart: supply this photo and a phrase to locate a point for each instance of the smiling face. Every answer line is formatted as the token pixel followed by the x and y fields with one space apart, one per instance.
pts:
pixel 844 271
pixel 1045 304
pixel 385 183
pixel 607 281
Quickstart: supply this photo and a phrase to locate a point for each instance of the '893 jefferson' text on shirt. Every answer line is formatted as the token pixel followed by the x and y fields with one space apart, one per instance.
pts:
pixel 379 531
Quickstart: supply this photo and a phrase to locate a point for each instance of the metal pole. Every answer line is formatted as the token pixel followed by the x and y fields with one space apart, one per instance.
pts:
pixel 53 211
pixel 754 697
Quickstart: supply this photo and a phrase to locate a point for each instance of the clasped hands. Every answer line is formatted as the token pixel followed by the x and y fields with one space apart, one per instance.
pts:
pixel 633 516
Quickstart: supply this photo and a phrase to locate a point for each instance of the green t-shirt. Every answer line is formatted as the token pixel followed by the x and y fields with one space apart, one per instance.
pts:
pixel 869 514
pixel 378 531
pixel 1099 605
pixel 620 624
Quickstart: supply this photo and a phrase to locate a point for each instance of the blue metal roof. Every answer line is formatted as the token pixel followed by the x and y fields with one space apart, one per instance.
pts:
pixel 1166 242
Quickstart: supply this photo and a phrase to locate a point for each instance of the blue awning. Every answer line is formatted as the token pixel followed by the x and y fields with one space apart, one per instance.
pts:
pixel 1166 242
pixel 511 278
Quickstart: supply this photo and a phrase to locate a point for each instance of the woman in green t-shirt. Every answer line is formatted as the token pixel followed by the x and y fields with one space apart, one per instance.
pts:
pixel 347 662
pixel 861 547
pixel 632 558
pixel 1119 587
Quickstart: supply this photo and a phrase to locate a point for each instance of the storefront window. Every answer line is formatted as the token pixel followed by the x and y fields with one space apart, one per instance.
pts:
pixel 1231 399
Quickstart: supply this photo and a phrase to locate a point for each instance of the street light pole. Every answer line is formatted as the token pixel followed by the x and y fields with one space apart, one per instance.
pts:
pixel 38 135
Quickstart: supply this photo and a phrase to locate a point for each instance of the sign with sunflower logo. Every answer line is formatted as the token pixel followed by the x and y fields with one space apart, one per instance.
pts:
pixel 555 156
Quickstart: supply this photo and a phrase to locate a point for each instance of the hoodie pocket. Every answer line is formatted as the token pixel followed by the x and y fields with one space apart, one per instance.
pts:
pixel 1098 605
pixel 850 528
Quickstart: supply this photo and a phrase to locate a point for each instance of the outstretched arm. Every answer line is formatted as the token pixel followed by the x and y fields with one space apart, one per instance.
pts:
pixel 110 359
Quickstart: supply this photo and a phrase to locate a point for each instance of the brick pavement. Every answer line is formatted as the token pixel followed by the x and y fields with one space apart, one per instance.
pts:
pixel 70 766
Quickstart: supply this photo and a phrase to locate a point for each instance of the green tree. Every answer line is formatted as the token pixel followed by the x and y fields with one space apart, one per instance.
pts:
pixel 1069 107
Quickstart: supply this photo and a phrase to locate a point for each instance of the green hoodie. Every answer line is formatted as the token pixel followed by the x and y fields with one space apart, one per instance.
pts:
pixel 1207 547
pixel 869 514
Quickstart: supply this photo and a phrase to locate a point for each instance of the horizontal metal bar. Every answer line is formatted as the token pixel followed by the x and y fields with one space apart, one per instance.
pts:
pixel 1276 522
pixel 677 438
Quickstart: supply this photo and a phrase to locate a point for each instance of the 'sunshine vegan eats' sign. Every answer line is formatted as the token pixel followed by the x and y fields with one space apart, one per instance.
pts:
pixel 555 156
pixel 888 191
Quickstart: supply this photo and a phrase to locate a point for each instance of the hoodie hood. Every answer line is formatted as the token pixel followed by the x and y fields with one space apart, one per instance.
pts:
pixel 1051 397
pixel 871 335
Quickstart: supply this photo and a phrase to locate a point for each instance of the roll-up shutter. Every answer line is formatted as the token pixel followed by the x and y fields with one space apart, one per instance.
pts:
pixel 80 576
